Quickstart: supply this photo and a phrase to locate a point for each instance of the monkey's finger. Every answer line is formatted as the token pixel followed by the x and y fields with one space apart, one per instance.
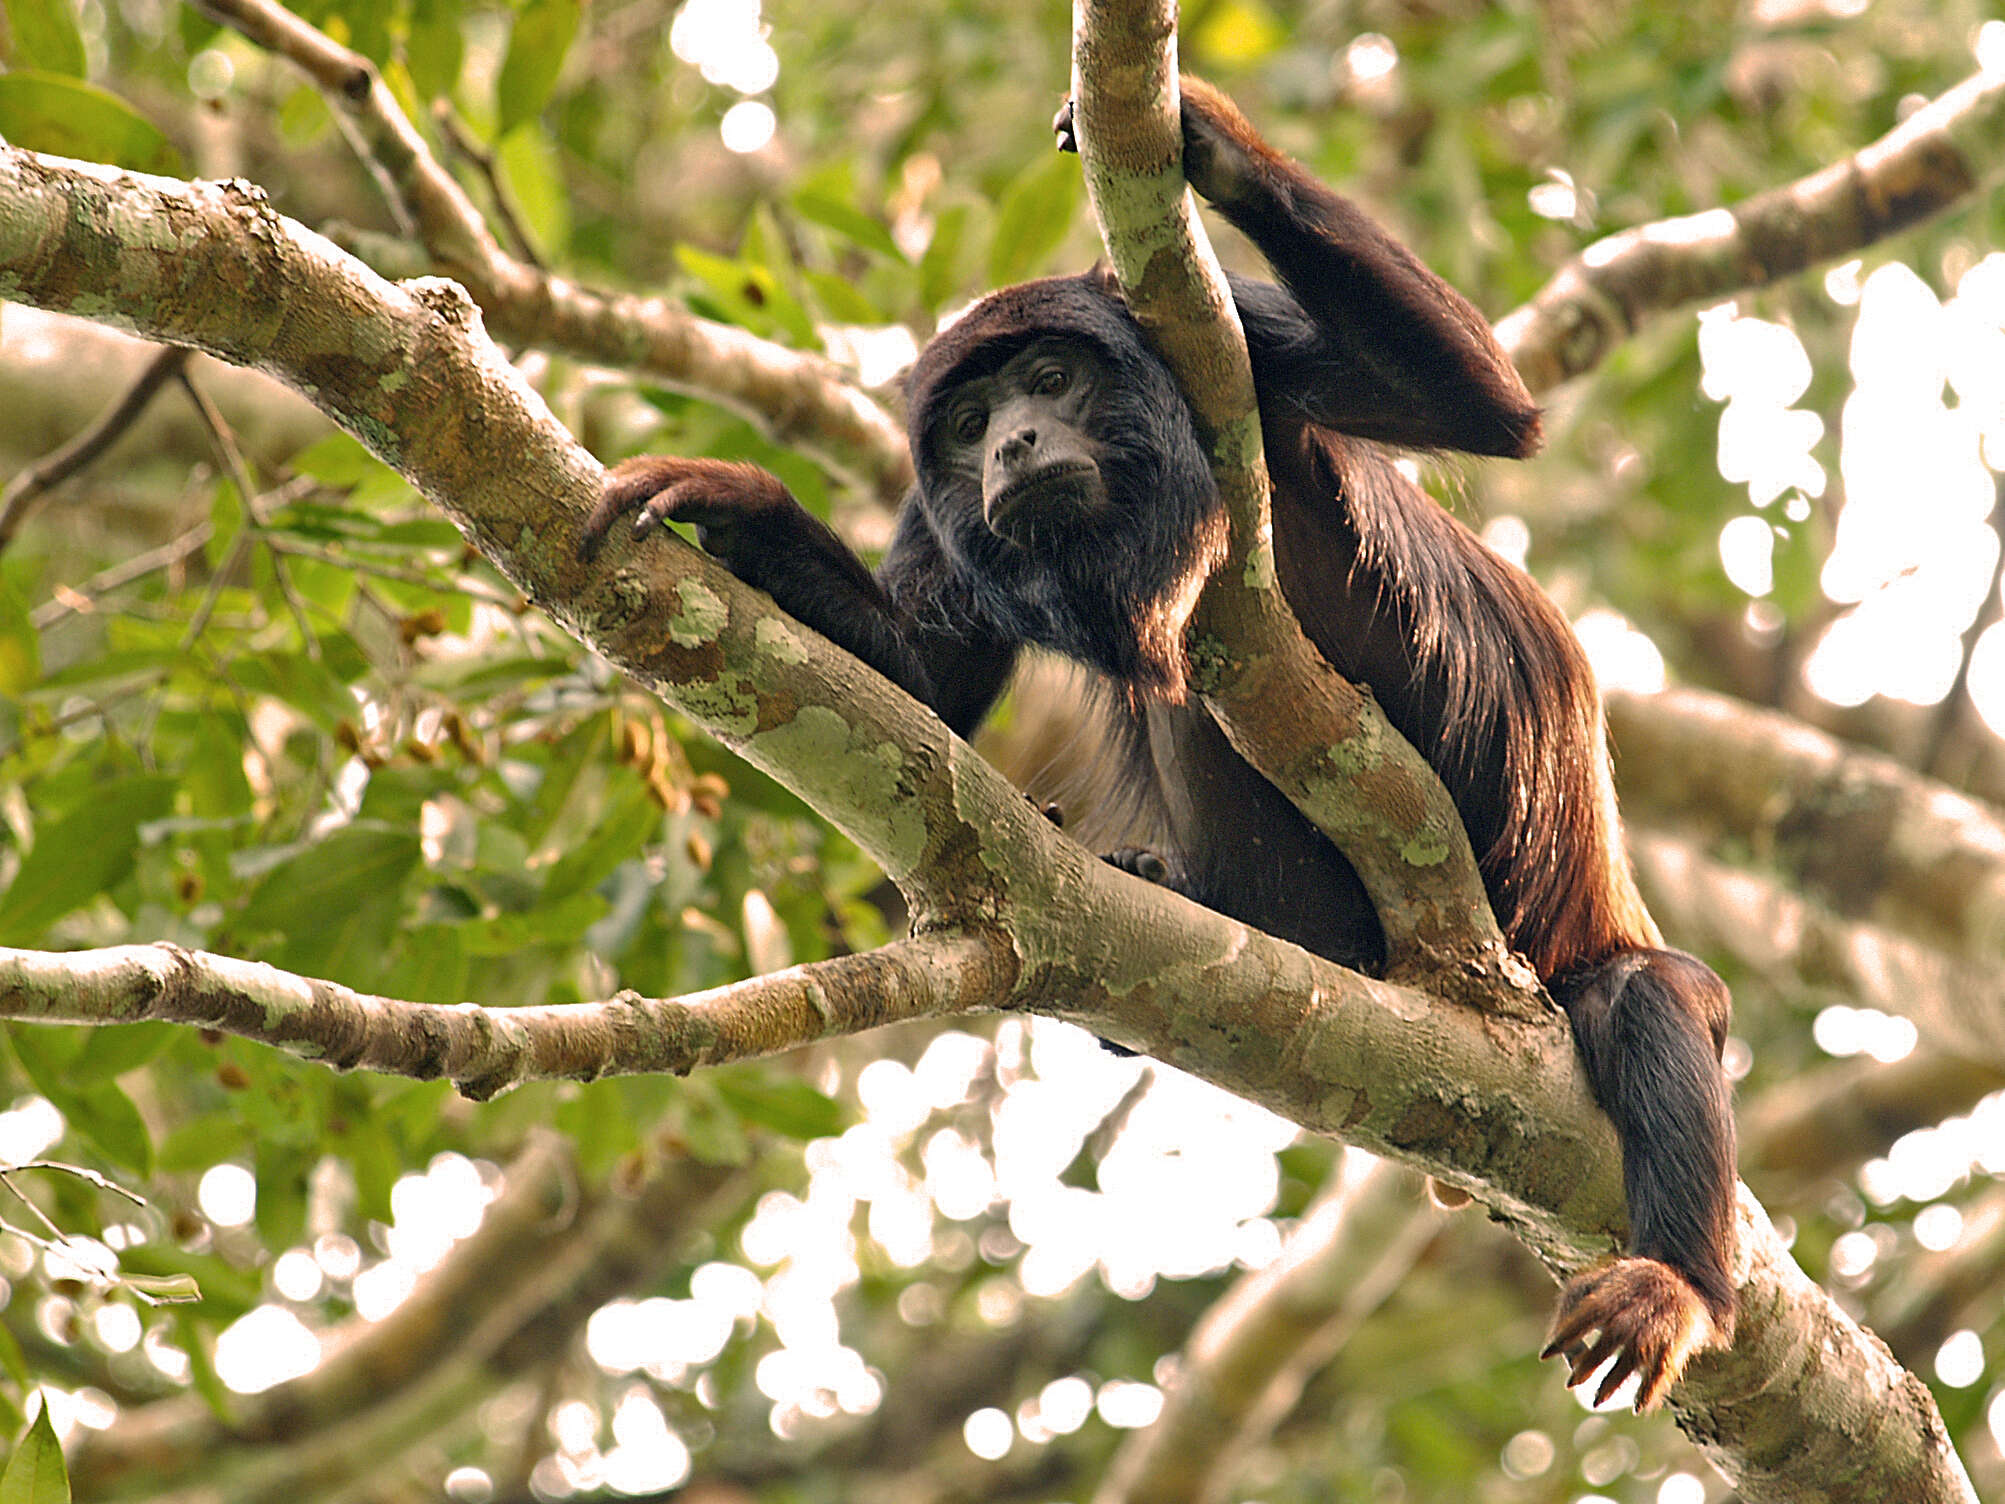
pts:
pixel 1063 128
pixel 694 501
pixel 1570 1326
pixel 627 485
pixel 1626 1363
pixel 1582 1366
pixel 1656 1384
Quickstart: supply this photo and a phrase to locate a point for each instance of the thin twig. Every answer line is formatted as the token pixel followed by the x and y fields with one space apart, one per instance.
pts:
pixel 232 458
pixel 42 477
pixel 461 585
pixel 78 600
pixel 461 140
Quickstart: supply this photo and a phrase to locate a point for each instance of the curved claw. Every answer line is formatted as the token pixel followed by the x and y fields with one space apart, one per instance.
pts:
pixel 1644 1316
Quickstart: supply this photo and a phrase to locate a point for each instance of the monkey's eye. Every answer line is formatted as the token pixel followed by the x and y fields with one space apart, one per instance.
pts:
pixel 970 423
pixel 1051 381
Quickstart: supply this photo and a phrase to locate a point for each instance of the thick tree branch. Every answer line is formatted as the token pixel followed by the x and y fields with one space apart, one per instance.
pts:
pixel 405 368
pixel 801 400
pixel 1904 877
pixel 1940 157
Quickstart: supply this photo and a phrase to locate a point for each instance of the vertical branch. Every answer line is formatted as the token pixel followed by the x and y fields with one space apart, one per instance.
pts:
pixel 1311 733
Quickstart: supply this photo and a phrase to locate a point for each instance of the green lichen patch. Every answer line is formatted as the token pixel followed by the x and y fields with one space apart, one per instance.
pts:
pixel 703 616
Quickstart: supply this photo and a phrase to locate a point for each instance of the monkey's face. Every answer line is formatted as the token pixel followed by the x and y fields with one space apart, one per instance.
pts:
pixel 1026 430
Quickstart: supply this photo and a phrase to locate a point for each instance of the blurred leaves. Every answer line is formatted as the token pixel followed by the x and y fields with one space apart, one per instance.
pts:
pixel 44 36
pixel 67 117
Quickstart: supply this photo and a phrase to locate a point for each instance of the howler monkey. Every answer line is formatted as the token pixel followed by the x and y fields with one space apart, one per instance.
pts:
pixel 1063 500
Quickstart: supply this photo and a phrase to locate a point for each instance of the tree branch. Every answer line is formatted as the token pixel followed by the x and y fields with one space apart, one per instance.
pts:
pixel 1904 877
pixel 546 1255
pixel 42 477
pixel 1940 157
pixel 1250 1356
pixel 1829 1120
pixel 1315 736
pixel 484 1051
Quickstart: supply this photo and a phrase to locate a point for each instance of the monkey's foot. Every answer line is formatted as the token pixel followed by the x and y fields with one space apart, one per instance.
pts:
pixel 1644 1315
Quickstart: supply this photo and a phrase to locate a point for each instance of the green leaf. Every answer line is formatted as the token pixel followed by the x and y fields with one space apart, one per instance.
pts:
pixel 847 221
pixel 196 1338
pixel 785 1104
pixel 368 23
pixel 749 296
pixel 36 1474
pixel 338 902
pixel 117 1048
pixel 20 644
pixel 105 1116
pixel 82 854
pixel 536 49
pixel 841 300
pixel 377 1167
pixel 337 460
pixel 1037 211
pixel 940 267
pixel 46 36
pixel 600 1128
pixel 320 879
pixel 14 1362
pixel 559 923
pixel 434 49
pixel 228 1290
pixel 69 118
pixel 631 819
pixel 531 166
pixel 163 1289
pixel 431 965
pixel 198 1143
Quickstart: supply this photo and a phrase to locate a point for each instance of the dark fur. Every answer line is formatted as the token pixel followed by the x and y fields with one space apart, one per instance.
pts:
pixel 1360 344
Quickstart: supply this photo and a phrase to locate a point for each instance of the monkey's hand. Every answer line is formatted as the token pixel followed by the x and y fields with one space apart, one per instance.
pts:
pixel 751 524
pixel 1224 158
pixel 1223 153
pixel 1649 1318
pixel 728 502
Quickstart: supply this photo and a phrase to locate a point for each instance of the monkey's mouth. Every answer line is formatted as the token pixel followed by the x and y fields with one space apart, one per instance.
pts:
pixel 1069 488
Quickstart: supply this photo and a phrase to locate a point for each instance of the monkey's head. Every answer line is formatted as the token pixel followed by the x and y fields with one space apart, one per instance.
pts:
pixel 1061 471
